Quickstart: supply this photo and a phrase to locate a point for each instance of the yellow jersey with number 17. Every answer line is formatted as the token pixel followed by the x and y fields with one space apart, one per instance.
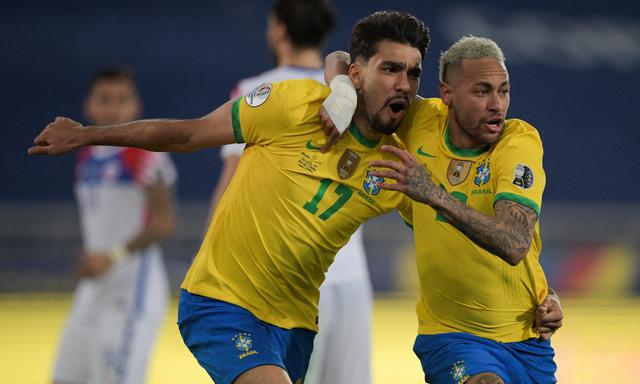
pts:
pixel 465 288
pixel 289 208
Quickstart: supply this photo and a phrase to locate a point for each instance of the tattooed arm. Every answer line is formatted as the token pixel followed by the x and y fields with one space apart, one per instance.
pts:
pixel 508 234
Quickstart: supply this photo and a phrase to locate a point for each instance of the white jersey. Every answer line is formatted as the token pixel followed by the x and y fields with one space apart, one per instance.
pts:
pixel 110 183
pixel 350 263
pixel 115 317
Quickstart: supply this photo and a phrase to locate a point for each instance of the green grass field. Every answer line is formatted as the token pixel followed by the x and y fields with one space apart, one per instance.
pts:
pixel 600 342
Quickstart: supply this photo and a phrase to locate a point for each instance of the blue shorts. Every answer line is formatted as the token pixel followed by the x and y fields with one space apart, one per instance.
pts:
pixel 452 358
pixel 228 340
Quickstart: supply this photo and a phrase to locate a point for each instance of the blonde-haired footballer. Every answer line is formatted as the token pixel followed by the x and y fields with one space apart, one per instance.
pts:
pixel 477 180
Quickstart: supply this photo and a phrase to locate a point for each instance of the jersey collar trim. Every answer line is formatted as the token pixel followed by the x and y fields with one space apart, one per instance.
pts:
pixel 360 138
pixel 461 151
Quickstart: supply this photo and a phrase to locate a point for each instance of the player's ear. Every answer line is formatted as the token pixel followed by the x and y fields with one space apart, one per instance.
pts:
pixel 445 93
pixel 356 74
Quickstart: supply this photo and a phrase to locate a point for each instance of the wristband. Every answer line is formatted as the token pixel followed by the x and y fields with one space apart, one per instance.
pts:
pixel 341 102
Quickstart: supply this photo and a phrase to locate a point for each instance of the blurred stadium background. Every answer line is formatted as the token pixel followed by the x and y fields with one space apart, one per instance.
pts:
pixel 575 71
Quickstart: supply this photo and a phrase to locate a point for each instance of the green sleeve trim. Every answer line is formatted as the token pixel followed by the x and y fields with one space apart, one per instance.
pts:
pixel 518 199
pixel 462 151
pixel 235 120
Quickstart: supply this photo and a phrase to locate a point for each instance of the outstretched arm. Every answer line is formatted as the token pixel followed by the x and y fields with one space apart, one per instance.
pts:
pixel 508 234
pixel 64 135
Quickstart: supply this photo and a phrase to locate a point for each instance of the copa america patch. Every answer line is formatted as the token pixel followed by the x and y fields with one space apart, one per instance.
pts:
pixel 259 95
pixel 523 177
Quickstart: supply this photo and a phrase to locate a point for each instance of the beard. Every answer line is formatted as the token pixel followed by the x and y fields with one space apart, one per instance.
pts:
pixel 384 128
pixel 474 130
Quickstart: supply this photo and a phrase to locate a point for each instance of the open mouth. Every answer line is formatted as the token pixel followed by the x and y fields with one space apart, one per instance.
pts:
pixel 398 106
pixel 494 125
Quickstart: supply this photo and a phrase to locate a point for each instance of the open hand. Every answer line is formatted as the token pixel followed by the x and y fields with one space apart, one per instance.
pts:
pixel 57 138
pixel 412 178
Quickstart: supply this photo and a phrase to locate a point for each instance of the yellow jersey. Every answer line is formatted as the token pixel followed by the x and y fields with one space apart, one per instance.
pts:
pixel 463 287
pixel 289 208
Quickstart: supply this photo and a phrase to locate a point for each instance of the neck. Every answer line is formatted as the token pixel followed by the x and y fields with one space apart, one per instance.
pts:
pixel 365 126
pixel 305 58
pixel 460 138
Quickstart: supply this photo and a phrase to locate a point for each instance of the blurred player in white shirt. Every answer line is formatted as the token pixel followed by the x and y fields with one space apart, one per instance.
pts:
pixel 125 200
pixel 296 32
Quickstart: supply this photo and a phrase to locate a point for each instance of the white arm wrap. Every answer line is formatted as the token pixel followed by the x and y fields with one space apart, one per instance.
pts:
pixel 342 101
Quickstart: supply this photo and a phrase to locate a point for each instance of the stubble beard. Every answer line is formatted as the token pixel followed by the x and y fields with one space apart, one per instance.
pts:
pixel 475 132
pixel 384 128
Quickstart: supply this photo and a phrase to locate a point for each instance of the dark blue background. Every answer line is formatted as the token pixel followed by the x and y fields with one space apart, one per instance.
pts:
pixel 188 56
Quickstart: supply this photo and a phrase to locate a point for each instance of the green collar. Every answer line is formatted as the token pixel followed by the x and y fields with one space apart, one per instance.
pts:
pixel 462 151
pixel 360 138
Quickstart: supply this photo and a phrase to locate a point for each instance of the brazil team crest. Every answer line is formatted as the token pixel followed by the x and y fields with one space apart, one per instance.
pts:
pixel 483 173
pixel 371 183
pixel 244 344
pixel 459 372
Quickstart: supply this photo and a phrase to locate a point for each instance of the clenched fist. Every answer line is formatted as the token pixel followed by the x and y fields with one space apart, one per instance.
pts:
pixel 58 137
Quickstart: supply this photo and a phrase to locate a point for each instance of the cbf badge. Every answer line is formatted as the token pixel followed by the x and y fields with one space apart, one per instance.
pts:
pixel 459 372
pixel 458 171
pixel 371 183
pixel 259 95
pixel 483 173
pixel 348 164
pixel 244 344
pixel 523 177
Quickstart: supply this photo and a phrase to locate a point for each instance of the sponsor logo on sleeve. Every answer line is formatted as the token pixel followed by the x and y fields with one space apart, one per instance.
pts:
pixel 523 176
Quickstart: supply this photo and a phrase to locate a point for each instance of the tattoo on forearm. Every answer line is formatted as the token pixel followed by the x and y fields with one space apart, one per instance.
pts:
pixel 508 234
pixel 420 185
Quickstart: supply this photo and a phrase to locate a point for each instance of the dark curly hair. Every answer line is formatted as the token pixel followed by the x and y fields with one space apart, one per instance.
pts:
pixel 387 25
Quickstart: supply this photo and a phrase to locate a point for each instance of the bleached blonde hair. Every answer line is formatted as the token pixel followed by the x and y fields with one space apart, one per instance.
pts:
pixel 468 47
